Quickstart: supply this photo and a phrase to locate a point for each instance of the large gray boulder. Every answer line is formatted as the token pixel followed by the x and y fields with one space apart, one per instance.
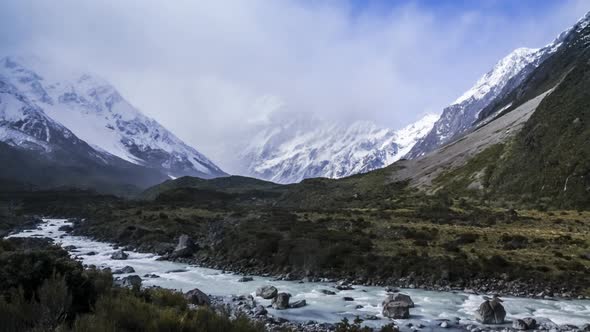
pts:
pixel 399 297
pixel 491 312
pixel 119 255
pixel 133 281
pixel 298 304
pixel 185 247
pixel 197 297
pixel 281 301
pixel 396 310
pixel 267 292
pixel 126 269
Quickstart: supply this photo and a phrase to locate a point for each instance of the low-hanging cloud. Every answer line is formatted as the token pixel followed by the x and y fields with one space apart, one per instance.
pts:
pixel 210 70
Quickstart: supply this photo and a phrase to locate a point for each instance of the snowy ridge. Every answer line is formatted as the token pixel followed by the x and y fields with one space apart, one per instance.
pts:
pixel 95 112
pixel 501 73
pixel 462 115
pixel 293 152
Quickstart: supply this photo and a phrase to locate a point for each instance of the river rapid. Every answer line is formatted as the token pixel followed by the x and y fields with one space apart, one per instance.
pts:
pixel 431 307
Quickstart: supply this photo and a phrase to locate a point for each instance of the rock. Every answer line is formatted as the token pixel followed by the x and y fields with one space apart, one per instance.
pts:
pixel 298 304
pixel 530 322
pixel 399 297
pixel 358 306
pixel 70 248
pixel 119 255
pixel 348 298
pixel 152 275
pixel 391 290
pixel 370 317
pixel 197 297
pixel 267 292
pixel 344 287
pixel 491 312
pixel 66 228
pixel 444 325
pixel 126 269
pixel 185 247
pixel 396 310
pixel 91 253
pixel 245 279
pixel 281 301
pixel 176 271
pixel 585 328
pixel 519 324
pixel 327 292
pixel 133 281
pixel 260 311
pixel 585 256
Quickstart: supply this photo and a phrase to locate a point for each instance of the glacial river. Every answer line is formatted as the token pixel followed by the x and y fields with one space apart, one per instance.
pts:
pixel 430 305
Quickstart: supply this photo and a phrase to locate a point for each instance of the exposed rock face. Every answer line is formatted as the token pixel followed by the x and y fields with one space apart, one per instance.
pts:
pixel 396 310
pixel 398 297
pixel 126 269
pixel 185 248
pixel 267 292
pixel 120 255
pixel 197 297
pixel 281 301
pixel 491 312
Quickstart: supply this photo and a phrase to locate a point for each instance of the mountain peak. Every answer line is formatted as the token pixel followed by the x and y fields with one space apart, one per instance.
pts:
pixel 96 112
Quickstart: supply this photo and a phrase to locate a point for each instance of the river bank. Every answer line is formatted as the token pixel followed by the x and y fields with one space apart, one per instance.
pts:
pixel 432 308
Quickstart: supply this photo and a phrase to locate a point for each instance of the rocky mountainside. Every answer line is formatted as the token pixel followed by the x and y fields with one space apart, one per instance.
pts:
pixel 530 144
pixel 95 112
pixel 288 153
pixel 463 114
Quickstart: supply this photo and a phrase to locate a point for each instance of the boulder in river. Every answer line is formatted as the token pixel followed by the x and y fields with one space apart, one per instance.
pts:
pixel 396 310
pixel 519 324
pixel 66 228
pixel 245 279
pixel 281 301
pixel 399 297
pixel 491 312
pixel 126 269
pixel 260 310
pixel 267 292
pixel 133 281
pixel 348 298
pixel 298 304
pixel 530 322
pixel 197 297
pixel 327 292
pixel 119 255
pixel 185 247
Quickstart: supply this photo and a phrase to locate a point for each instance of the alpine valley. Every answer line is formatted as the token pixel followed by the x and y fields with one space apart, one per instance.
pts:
pixel 477 220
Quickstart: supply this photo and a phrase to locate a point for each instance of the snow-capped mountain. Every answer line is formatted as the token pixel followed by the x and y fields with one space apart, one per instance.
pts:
pixel 463 113
pixel 295 151
pixel 96 113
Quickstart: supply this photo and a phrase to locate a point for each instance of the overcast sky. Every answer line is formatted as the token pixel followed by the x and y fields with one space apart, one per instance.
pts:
pixel 209 70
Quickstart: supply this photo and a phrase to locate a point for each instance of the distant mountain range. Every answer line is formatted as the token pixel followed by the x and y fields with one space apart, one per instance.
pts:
pixel 296 150
pixel 50 110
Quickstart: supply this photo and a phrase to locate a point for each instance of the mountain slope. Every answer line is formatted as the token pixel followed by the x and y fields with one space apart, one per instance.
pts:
pixel 37 150
pixel 463 114
pixel 293 152
pixel 95 112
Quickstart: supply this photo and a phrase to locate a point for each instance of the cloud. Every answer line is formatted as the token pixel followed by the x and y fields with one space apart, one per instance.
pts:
pixel 211 70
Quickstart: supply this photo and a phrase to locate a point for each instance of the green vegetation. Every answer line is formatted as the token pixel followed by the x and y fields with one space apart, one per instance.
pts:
pixel 42 289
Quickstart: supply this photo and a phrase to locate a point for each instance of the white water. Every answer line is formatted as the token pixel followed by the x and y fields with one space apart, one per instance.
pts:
pixel 430 305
